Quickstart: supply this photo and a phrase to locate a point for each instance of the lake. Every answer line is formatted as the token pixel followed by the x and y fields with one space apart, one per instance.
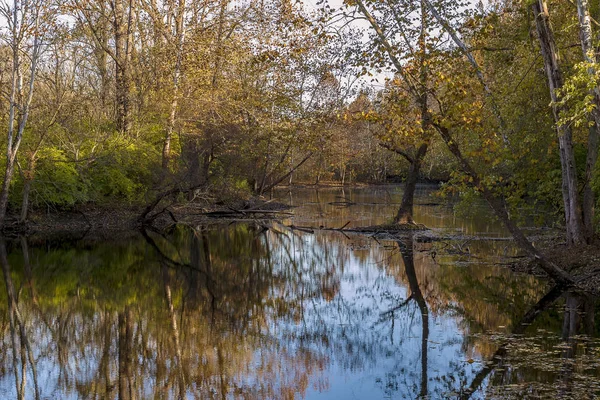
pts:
pixel 257 310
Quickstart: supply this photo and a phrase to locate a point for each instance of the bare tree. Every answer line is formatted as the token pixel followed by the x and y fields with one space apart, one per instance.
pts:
pixel 26 22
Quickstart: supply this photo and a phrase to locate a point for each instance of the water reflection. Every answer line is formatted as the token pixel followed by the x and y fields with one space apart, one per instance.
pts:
pixel 262 312
pixel 538 363
pixel 368 206
pixel 406 249
pixel 19 341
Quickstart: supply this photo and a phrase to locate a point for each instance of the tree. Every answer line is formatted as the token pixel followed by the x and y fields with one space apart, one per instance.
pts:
pixel 488 188
pixel 27 24
pixel 591 59
pixel 573 220
pixel 403 133
pixel 169 25
pixel 55 90
pixel 121 16
pixel 408 46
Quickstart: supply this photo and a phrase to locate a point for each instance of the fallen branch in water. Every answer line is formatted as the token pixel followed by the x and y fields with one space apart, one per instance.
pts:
pixel 236 213
pixel 345 225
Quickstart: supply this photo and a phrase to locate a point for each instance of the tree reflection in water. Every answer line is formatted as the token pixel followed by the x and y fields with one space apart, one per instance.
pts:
pixel 407 250
pixel 255 312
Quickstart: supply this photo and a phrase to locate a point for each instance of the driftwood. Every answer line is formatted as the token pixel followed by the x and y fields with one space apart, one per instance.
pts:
pixel 247 211
pixel 312 229
pixel 145 216
pixel 237 213
pixel 342 203
pixel 301 229
pixel 390 229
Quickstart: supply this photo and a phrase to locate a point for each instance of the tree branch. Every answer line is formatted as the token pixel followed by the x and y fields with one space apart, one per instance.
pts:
pixel 397 150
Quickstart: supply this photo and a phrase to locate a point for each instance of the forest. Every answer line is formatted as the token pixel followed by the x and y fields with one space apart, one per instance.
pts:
pixel 280 199
pixel 128 103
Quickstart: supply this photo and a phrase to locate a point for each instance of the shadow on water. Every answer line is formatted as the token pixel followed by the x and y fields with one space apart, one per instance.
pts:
pixel 261 312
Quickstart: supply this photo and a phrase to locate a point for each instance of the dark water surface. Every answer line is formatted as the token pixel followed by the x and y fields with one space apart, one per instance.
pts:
pixel 255 311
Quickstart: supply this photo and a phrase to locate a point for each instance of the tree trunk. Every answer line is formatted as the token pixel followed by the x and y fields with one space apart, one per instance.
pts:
pixel 518 329
pixel 574 225
pixel 25 201
pixel 102 59
pixel 219 45
pixel 104 366
pixel 27 269
pixel 589 54
pixel 180 37
pixel 8 175
pixel 122 25
pixel 405 212
pixel 291 177
pixel 27 176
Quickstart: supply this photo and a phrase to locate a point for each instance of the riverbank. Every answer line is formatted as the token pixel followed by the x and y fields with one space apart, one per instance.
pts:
pixel 106 222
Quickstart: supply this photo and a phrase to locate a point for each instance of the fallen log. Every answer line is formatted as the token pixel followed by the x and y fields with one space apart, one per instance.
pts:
pixel 237 213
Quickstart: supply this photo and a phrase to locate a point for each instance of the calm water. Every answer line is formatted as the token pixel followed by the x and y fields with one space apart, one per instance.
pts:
pixel 251 311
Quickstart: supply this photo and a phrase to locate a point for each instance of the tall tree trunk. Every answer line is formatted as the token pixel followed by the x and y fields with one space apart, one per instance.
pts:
pixel 123 25
pixel 102 59
pixel 180 37
pixel 589 54
pixel 574 225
